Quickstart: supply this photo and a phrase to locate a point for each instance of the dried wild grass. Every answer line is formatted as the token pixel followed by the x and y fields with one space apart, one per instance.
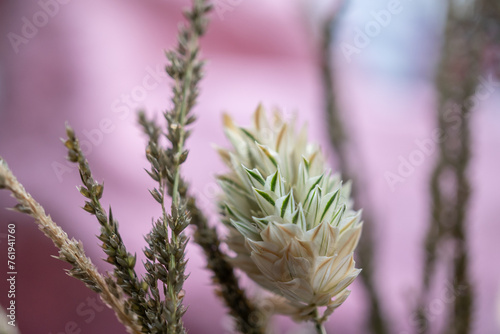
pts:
pixel 70 250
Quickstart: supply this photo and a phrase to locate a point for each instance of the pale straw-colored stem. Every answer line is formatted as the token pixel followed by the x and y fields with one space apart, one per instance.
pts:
pixel 71 250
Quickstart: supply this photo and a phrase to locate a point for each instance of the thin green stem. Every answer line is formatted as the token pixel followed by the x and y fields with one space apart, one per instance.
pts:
pixel 182 123
pixel 186 70
pixel 173 239
pixel 318 323
pixel 320 329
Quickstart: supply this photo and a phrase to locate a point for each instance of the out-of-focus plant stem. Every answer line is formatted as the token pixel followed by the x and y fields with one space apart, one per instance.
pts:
pixel 456 82
pixel 341 144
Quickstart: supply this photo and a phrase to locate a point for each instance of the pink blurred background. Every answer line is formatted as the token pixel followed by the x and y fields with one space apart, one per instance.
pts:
pixel 90 58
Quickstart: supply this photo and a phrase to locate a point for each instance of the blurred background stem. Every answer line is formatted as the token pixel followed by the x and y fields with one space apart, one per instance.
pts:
pixel 456 82
pixel 342 145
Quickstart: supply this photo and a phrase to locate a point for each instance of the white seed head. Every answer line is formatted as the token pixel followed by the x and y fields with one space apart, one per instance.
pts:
pixel 290 219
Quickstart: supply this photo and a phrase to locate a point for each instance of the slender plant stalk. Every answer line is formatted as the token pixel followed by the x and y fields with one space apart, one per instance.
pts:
pixel 70 250
pixel 113 246
pixel 240 307
pixel 456 83
pixel 207 237
pixel 318 323
pixel 167 241
pixel 185 69
pixel 341 144
pixel 436 228
pixel 320 329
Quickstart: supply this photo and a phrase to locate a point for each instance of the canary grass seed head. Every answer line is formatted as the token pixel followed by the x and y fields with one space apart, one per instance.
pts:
pixel 291 222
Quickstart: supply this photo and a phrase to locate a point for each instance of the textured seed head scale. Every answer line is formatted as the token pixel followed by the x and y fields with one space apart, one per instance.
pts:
pixel 291 222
